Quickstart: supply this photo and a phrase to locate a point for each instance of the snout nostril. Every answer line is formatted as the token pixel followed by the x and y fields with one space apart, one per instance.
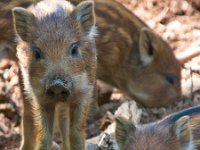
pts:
pixel 64 92
pixel 57 91
pixel 50 92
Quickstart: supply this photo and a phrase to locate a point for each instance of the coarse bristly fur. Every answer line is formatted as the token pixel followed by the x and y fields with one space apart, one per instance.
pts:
pixel 57 57
pixel 131 56
pixel 180 133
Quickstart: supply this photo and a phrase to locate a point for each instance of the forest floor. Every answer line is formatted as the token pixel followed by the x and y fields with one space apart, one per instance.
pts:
pixel 177 21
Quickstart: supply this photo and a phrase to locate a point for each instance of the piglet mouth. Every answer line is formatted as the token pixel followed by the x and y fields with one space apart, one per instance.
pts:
pixel 59 90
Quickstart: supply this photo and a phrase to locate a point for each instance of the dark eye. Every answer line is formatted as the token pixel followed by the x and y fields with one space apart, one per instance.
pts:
pixel 36 53
pixel 171 78
pixel 74 50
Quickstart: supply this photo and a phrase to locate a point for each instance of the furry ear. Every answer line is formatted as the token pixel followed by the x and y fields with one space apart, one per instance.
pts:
pixel 184 133
pixel 23 23
pixel 123 127
pixel 147 46
pixel 84 13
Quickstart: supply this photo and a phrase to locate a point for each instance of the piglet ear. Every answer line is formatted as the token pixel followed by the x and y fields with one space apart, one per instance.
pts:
pixel 23 23
pixel 184 133
pixel 84 13
pixel 123 128
pixel 147 46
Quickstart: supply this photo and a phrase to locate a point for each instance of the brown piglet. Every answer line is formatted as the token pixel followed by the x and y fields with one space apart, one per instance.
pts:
pixel 57 58
pixel 134 59
pixel 179 131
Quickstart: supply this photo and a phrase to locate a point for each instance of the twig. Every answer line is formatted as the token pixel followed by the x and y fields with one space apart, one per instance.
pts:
pixel 191 88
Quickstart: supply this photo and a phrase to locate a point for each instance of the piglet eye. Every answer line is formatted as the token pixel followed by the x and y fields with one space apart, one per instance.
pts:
pixel 74 50
pixel 171 78
pixel 36 53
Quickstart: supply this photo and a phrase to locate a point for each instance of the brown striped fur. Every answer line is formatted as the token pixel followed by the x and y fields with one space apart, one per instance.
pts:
pixel 183 134
pixel 131 56
pixel 195 125
pixel 57 58
pixel 123 39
